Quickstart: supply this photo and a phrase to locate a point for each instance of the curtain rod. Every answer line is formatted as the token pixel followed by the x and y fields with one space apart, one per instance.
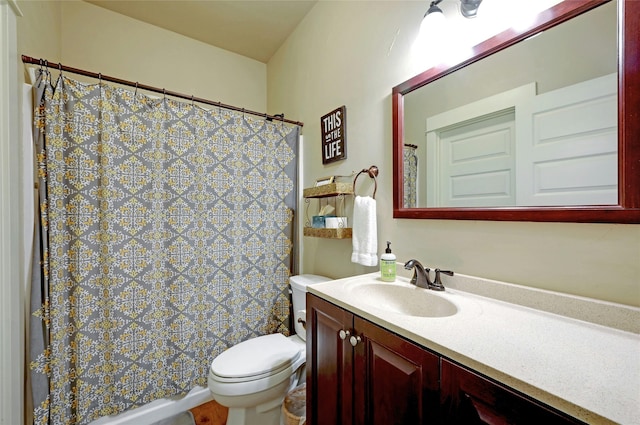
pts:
pixel 60 67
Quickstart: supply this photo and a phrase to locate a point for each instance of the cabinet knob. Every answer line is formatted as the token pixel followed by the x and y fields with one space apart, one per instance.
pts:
pixel 344 334
pixel 355 340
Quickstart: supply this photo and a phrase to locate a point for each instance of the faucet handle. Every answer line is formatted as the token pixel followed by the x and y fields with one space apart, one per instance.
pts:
pixel 437 283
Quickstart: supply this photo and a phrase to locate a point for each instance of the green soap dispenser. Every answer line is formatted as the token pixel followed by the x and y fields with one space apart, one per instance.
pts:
pixel 388 265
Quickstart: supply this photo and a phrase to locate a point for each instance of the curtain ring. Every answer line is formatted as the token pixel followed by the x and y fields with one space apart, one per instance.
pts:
pixel 41 71
pixel 42 68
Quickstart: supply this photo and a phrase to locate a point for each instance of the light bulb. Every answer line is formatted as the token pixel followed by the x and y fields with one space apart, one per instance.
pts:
pixel 432 25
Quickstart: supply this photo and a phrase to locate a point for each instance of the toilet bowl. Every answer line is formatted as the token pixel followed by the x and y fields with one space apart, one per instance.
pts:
pixel 253 377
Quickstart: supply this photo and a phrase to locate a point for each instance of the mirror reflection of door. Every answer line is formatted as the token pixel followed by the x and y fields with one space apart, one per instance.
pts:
pixel 571 152
pixel 568 156
pixel 475 163
pixel 566 152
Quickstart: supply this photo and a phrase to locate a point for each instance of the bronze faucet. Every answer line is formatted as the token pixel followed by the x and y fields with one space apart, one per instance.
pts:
pixel 421 276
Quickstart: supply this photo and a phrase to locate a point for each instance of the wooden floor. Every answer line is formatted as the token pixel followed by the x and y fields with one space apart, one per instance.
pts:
pixel 210 413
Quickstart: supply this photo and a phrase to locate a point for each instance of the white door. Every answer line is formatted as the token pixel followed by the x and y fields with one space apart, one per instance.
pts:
pixel 476 163
pixel 470 155
pixel 571 157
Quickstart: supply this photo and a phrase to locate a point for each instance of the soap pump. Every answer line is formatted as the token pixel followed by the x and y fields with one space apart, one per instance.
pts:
pixel 388 265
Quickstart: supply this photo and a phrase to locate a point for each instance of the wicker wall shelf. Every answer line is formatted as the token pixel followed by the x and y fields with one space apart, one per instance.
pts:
pixel 338 191
pixel 333 189
pixel 341 233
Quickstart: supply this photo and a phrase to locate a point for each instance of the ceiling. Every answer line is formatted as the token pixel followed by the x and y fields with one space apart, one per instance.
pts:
pixel 255 29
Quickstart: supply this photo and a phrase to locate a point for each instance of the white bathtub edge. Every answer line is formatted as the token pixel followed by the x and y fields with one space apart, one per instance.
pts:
pixel 158 409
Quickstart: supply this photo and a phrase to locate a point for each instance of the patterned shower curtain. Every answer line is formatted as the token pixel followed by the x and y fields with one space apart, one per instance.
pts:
pixel 410 177
pixel 165 238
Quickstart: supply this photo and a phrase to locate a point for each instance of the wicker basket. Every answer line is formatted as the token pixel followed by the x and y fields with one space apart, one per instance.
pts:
pixel 294 406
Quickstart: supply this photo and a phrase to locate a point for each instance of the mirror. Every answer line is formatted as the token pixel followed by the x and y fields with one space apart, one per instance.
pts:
pixel 448 113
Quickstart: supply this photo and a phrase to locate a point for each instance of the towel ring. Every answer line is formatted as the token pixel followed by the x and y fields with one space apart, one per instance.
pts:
pixel 373 173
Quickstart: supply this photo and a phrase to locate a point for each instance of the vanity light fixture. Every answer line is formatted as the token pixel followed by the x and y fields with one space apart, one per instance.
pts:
pixel 434 14
pixel 432 23
pixel 468 9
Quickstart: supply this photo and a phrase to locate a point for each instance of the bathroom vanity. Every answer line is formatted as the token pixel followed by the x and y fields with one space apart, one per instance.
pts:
pixel 361 371
pixel 385 353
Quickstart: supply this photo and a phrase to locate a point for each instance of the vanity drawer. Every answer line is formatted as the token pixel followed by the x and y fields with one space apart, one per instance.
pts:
pixel 469 398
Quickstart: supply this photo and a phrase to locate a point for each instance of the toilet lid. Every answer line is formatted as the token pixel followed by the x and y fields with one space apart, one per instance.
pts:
pixel 264 355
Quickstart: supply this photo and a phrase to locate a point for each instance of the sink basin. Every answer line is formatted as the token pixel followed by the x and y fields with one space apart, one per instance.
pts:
pixel 405 300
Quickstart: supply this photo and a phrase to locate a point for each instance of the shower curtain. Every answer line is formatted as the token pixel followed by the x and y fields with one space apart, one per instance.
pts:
pixel 165 238
pixel 410 166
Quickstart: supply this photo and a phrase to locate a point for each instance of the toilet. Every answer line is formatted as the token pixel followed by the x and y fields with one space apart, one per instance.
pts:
pixel 253 377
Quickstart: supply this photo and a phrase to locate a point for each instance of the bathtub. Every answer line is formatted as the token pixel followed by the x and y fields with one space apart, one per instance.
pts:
pixel 158 409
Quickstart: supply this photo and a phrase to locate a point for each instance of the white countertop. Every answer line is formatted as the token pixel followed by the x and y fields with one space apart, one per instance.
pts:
pixel 589 371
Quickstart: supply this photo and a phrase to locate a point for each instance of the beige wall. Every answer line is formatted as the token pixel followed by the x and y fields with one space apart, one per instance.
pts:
pixel 99 40
pixel 39 29
pixel 85 36
pixel 352 53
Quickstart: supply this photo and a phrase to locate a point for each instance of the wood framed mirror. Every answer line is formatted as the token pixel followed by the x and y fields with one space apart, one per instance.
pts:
pixel 623 208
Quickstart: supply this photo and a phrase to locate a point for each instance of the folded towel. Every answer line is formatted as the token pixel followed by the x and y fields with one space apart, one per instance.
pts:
pixel 364 234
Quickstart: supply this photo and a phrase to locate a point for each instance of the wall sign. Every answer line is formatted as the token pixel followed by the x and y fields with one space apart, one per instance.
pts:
pixel 334 135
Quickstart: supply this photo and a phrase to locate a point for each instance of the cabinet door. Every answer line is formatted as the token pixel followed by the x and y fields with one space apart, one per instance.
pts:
pixel 329 364
pixel 395 381
pixel 468 398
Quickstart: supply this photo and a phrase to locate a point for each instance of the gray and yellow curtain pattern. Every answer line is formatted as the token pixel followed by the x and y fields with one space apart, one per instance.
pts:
pixel 165 238
pixel 410 178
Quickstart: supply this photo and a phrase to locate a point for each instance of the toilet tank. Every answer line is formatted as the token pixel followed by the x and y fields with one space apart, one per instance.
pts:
pixel 299 285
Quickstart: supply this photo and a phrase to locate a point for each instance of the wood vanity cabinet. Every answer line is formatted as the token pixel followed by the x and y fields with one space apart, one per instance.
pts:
pixel 469 398
pixel 359 373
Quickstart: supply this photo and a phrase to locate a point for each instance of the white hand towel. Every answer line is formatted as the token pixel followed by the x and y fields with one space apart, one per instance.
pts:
pixel 364 234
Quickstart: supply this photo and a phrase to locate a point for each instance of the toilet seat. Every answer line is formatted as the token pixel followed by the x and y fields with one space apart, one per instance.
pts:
pixel 252 378
pixel 268 356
